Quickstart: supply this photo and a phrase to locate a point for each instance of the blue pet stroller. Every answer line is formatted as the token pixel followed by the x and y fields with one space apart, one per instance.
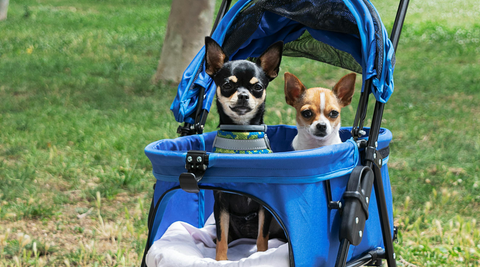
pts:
pixel 334 203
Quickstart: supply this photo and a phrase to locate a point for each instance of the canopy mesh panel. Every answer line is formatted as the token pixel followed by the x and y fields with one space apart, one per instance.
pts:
pixel 319 15
pixel 307 46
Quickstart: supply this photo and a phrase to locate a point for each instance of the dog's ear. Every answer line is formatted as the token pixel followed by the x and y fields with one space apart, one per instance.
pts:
pixel 345 88
pixel 293 88
pixel 214 56
pixel 270 60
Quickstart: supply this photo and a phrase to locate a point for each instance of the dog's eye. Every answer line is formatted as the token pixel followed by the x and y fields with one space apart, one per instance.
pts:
pixel 227 86
pixel 307 113
pixel 258 87
pixel 333 114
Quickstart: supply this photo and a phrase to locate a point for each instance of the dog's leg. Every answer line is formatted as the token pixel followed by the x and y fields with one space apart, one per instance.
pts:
pixel 264 220
pixel 222 235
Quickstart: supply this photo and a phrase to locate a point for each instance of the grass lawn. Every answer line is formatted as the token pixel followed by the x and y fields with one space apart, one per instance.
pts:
pixel 77 109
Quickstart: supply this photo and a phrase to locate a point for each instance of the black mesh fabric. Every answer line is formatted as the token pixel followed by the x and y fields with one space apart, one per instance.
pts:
pixel 329 15
pixel 306 46
pixel 242 27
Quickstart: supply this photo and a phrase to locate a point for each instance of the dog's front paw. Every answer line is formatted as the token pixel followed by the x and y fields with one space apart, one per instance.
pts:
pixel 262 245
pixel 221 257
pixel 221 251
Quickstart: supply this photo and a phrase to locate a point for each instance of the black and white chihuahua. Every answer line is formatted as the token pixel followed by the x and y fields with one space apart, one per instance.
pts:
pixel 240 98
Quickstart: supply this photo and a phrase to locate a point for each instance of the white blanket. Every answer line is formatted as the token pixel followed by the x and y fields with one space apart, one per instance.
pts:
pixel 185 245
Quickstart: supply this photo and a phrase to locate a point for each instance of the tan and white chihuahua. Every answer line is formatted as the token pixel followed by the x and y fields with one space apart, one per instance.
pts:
pixel 318 110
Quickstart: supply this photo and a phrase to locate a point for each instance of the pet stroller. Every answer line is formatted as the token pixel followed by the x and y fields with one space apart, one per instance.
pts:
pixel 322 198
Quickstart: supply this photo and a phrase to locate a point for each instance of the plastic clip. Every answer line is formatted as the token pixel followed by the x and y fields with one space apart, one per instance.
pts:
pixel 196 164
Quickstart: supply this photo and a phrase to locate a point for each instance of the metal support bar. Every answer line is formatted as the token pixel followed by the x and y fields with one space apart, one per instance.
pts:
pixel 342 253
pixel 357 129
pixel 373 137
pixel 201 114
pixel 383 214
pixel 363 102
pixel 398 24
pixel 372 257
pixel 376 123
pixel 330 203
pixel 224 7
pixel 378 184
pixel 201 97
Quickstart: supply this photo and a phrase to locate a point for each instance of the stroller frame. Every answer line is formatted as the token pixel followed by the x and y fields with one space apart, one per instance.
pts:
pixel 364 178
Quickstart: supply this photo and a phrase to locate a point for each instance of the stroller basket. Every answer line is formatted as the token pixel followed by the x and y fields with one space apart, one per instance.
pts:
pixel 289 183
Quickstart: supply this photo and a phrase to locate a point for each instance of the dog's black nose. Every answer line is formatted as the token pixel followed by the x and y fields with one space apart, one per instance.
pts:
pixel 243 96
pixel 321 126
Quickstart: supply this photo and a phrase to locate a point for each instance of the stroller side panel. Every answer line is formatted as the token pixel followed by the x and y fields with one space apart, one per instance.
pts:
pixel 302 209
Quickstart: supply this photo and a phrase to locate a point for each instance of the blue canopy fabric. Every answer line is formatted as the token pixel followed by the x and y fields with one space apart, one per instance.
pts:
pixel 368 44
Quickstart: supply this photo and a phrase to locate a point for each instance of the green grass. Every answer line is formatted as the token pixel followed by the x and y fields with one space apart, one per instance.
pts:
pixel 77 109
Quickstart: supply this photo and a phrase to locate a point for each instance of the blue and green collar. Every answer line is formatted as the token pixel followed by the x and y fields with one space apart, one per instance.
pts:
pixel 242 139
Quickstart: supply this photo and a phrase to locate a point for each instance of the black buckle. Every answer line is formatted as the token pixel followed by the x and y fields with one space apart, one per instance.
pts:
pixel 196 164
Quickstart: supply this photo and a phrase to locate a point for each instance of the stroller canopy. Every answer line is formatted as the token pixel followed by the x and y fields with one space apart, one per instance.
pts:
pixel 344 33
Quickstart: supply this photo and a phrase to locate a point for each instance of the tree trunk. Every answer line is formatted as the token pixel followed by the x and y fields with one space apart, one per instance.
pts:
pixel 188 24
pixel 3 9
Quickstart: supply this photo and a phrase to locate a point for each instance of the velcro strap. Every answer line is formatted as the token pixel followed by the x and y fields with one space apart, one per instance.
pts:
pixel 237 144
pixel 384 152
